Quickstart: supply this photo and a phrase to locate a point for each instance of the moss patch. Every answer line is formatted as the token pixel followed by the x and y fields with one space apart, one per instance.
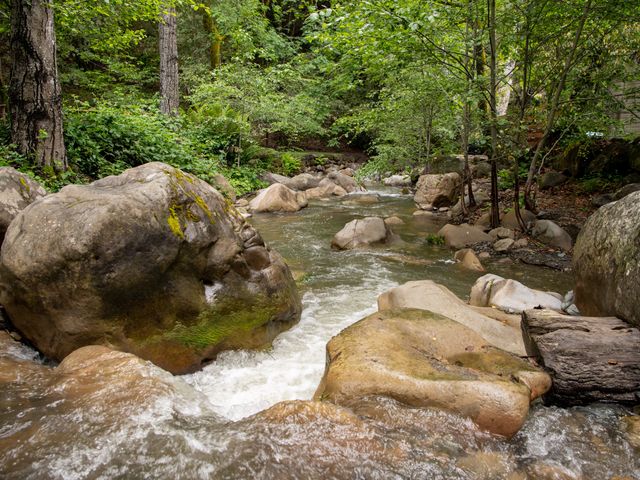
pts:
pixel 225 321
pixel 174 223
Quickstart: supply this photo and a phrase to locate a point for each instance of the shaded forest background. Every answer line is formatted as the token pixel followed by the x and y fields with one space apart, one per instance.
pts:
pixel 408 82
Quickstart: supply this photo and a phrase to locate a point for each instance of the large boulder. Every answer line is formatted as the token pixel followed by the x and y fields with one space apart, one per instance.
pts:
pixel 278 198
pixel 626 190
pixel 552 234
pixel 325 189
pixel 223 186
pixel 510 221
pixel 361 233
pixel 427 295
pixel 423 359
pixel 344 181
pixel 462 236
pixel 17 191
pixel 153 261
pixel 302 182
pixel 510 295
pixel 552 179
pixel 272 178
pixel 436 191
pixel 606 261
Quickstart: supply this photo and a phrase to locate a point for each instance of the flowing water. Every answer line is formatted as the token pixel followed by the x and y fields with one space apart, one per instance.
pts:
pixel 139 422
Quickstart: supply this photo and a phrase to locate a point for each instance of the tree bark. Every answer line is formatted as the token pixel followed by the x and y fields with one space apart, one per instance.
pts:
pixel 215 39
pixel 590 359
pixel 169 86
pixel 495 209
pixel 35 96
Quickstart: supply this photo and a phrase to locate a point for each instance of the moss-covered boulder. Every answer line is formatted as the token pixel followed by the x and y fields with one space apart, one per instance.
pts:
pixel 606 261
pixel 426 360
pixel 154 262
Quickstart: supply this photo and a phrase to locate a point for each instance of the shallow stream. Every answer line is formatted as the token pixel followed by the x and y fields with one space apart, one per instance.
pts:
pixel 211 424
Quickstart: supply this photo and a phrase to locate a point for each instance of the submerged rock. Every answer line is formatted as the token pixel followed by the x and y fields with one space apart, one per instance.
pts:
pixel 510 295
pixel 278 198
pixel 17 192
pixel 428 295
pixel 153 262
pixel 435 191
pixel 361 233
pixel 426 360
pixel 468 259
pixel 390 221
pixel 606 261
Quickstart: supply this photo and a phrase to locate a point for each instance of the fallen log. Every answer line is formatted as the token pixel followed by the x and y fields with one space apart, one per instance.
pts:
pixel 590 359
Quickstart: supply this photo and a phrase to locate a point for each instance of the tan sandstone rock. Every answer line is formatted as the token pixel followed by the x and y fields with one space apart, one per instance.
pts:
pixel 426 360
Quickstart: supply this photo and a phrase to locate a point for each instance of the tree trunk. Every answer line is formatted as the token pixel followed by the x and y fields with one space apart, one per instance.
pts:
pixel 169 87
pixel 35 97
pixel 495 209
pixel 553 109
pixel 215 40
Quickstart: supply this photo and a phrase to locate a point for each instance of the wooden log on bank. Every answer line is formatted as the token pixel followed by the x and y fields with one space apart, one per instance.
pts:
pixel 590 359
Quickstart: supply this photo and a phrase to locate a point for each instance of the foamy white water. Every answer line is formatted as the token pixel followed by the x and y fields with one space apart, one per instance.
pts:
pixel 241 383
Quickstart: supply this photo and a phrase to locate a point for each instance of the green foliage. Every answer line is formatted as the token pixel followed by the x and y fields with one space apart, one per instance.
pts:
pixel 505 176
pixel 105 140
pixel 375 167
pixel 291 165
pixel 245 179
pixel 599 184
pixel 279 102
pixel 434 239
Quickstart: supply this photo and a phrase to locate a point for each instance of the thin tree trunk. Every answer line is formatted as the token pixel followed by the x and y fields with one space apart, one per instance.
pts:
pixel 466 120
pixel 524 101
pixel 553 109
pixel 169 86
pixel 215 40
pixel 495 209
pixel 35 96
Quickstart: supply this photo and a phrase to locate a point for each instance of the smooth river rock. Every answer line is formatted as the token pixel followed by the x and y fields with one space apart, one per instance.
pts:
pixel 511 296
pixel 428 295
pixel 153 262
pixel 461 236
pixel 423 359
pixel 435 191
pixel 468 259
pixel 552 234
pixel 361 233
pixel 17 191
pixel 606 261
pixel 278 198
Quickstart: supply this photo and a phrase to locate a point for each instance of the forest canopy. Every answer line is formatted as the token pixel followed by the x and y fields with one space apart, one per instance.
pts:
pixel 406 81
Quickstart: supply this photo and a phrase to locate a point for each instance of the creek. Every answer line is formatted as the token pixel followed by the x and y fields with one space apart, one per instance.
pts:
pixel 212 424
